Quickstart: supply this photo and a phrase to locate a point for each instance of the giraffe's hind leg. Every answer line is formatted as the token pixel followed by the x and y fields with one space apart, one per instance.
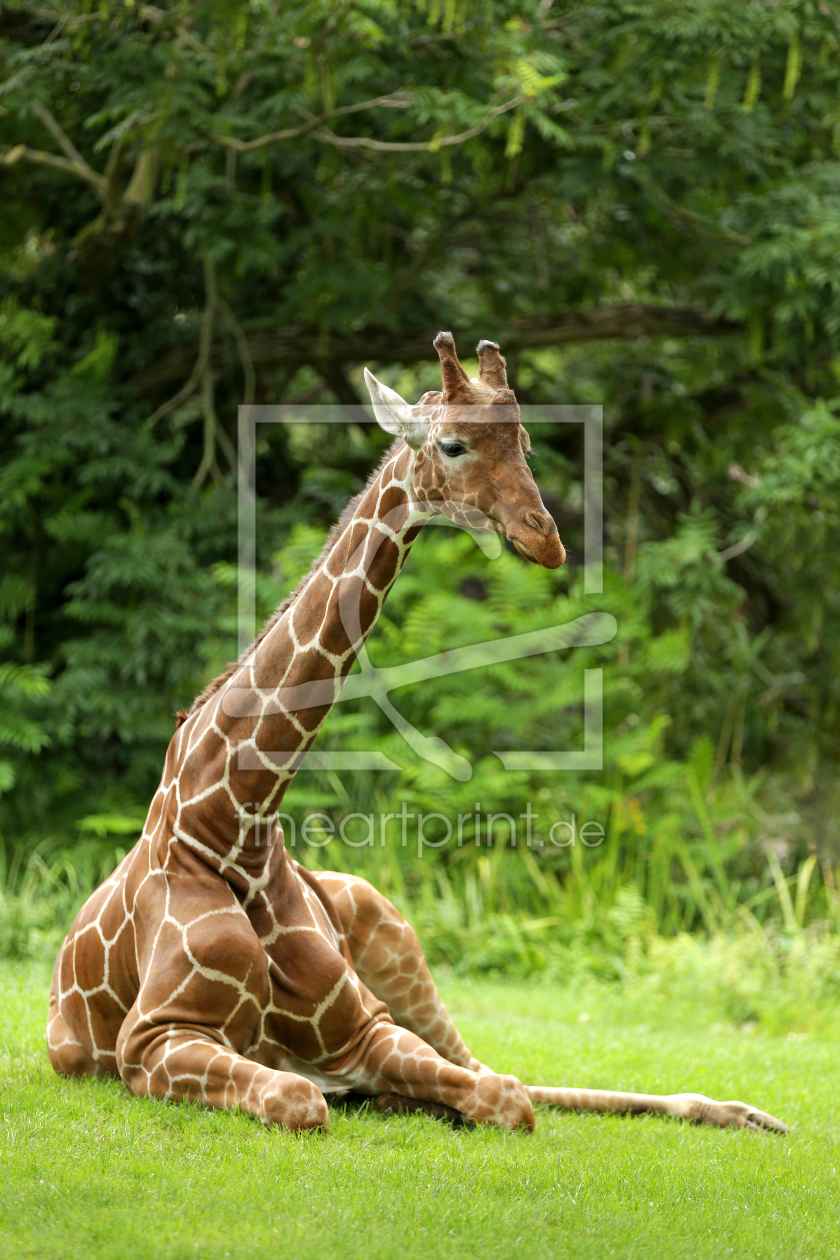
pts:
pixel 67 1054
pixel 388 958
pixel 693 1107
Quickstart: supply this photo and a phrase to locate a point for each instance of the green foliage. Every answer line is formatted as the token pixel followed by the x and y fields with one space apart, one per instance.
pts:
pixel 211 202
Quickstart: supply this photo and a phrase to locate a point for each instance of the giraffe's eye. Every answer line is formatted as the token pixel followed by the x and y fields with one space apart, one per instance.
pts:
pixel 452 449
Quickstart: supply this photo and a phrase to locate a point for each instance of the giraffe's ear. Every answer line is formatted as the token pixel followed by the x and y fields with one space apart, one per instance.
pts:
pixel 394 414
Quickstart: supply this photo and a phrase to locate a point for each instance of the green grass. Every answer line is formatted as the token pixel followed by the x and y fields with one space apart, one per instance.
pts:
pixel 88 1170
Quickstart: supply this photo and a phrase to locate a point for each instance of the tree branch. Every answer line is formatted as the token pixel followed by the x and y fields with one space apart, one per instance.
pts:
pixel 243 351
pixel 213 431
pixel 400 99
pixel 187 389
pixel 9 154
pixel 139 191
pixel 205 347
pixel 203 372
pixel 248 146
pixel 270 346
pixel 68 148
pixel 415 146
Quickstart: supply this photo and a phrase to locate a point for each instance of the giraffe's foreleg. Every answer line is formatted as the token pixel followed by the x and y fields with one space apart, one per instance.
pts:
pixel 388 958
pixel 393 1061
pixel 693 1107
pixel 189 1065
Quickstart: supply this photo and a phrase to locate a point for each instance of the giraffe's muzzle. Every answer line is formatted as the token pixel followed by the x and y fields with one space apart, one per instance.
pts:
pixel 536 538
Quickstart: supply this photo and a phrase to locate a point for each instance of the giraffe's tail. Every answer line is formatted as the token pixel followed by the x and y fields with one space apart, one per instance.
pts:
pixel 682 1106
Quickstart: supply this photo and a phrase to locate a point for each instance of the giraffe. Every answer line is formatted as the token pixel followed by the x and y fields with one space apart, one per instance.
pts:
pixel 211 966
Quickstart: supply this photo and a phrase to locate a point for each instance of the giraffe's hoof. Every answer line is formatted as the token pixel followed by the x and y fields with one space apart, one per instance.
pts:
pixel 296 1104
pixel 500 1100
pixel 724 1114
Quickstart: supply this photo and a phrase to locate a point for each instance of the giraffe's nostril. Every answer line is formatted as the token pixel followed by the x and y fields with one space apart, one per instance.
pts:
pixel 541 522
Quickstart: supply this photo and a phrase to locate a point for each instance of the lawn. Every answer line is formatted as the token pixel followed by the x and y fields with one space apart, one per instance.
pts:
pixel 90 1171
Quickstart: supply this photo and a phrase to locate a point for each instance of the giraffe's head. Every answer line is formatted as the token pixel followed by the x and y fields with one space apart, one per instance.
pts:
pixel 470 450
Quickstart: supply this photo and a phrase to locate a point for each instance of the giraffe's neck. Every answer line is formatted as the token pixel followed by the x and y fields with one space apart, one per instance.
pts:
pixel 235 758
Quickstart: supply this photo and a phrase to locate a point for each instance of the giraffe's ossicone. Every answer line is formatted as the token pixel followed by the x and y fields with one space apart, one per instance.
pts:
pixel 211 965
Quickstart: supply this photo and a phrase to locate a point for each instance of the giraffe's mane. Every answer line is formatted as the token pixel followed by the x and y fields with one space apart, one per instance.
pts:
pixel 183 715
